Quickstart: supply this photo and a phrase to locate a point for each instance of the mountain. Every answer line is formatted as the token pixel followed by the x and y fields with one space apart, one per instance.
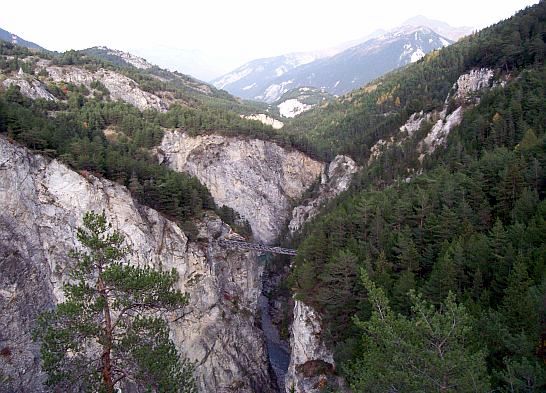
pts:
pixel 268 79
pixel 360 64
pixel 14 39
pixel 191 87
pixel 254 79
pixel 258 75
pixel 448 213
pixel 442 28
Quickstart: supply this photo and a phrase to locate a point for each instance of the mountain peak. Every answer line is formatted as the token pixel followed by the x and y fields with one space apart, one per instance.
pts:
pixel 440 27
pixel 268 79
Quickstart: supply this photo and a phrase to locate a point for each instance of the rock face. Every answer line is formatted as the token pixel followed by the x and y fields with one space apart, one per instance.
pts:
pixel 121 87
pixel 334 181
pixel 293 107
pixel 267 120
pixel 42 205
pixel 30 87
pixel 258 179
pixel 311 362
pixel 464 95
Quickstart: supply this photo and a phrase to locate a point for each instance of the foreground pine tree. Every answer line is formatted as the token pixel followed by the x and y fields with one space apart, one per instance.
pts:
pixel 109 332
pixel 430 351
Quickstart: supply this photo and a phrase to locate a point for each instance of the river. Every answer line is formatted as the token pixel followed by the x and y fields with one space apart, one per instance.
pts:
pixel 277 349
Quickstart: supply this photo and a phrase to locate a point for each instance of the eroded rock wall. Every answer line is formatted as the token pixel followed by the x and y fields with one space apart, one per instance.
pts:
pixel 312 365
pixel 258 179
pixel 335 179
pixel 43 203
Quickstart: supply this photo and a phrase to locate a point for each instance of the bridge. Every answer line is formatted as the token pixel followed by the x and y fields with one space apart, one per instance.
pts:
pixel 256 247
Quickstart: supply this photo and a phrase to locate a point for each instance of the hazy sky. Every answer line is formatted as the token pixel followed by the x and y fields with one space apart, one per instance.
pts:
pixel 230 32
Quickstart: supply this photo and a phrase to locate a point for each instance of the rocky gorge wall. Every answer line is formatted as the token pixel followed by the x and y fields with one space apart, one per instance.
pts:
pixel 258 179
pixel 264 183
pixel 43 202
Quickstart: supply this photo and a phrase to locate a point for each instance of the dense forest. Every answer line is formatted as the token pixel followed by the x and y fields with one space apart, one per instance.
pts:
pixel 430 275
pixel 462 244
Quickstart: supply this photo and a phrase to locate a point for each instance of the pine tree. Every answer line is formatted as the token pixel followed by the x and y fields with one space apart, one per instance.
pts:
pixel 518 308
pixel 430 351
pixel 400 293
pixel 339 290
pixel 108 331
pixel 407 254
pixel 443 279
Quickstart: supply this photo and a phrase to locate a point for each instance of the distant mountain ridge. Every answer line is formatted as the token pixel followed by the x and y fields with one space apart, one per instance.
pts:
pixel 15 39
pixel 442 28
pixel 268 79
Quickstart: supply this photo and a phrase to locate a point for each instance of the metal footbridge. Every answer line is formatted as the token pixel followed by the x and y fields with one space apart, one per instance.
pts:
pixel 255 247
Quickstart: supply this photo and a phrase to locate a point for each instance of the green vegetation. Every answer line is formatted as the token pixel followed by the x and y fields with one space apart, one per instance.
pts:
pixel 114 140
pixel 457 240
pixel 431 351
pixel 75 135
pixel 467 234
pixel 354 123
pixel 107 332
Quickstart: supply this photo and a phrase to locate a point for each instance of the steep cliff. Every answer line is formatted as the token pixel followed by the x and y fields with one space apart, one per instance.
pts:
pixel 334 180
pixel 43 202
pixel 463 96
pixel 312 364
pixel 258 179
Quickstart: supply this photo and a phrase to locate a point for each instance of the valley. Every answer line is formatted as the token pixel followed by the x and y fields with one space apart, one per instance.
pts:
pixel 410 192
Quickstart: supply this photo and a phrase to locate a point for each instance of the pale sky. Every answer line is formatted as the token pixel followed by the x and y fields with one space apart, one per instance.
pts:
pixel 230 32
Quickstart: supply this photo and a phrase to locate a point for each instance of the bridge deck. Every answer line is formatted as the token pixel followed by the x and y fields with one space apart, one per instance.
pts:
pixel 256 247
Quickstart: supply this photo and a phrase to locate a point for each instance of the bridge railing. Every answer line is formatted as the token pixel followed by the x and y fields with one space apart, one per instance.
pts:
pixel 256 247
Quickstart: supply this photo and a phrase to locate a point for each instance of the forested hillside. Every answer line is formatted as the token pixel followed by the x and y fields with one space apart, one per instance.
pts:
pixel 430 271
pixel 353 123
pixel 95 134
pixel 468 219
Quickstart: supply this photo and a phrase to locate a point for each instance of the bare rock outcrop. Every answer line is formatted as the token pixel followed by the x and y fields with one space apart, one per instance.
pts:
pixel 120 87
pixel 463 95
pixel 258 179
pixel 334 180
pixel 29 86
pixel 43 202
pixel 312 365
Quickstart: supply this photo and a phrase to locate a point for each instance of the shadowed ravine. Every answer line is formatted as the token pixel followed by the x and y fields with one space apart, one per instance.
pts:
pixel 277 350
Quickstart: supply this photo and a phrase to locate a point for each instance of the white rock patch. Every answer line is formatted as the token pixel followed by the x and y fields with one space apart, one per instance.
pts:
pixel 30 87
pixel 121 87
pixel 267 120
pixel 293 107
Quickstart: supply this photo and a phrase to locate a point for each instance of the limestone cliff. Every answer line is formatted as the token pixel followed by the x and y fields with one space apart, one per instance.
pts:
pixel 29 85
pixel 464 95
pixel 120 87
pixel 312 364
pixel 334 180
pixel 258 179
pixel 43 202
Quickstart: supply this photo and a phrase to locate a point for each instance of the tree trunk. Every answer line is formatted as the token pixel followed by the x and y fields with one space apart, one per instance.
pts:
pixel 107 345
